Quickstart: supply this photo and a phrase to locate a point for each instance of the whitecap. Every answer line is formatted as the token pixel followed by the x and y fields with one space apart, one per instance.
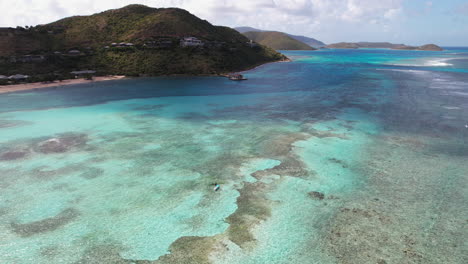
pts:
pixel 451 107
pixel 438 63
pixel 410 71
pixel 449 117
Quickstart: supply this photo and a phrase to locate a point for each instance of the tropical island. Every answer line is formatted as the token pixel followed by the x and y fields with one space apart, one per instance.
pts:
pixel 135 40
pixel 427 47
pixel 382 45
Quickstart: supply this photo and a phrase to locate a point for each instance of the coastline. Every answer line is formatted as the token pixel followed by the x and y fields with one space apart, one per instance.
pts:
pixel 263 64
pixel 39 85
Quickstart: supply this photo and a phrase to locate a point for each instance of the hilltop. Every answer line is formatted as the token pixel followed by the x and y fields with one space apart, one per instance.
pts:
pixel 277 40
pixel 307 40
pixel 248 29
pixel 133 40
pixel 381 45
pixel 427 47
pixel 357 45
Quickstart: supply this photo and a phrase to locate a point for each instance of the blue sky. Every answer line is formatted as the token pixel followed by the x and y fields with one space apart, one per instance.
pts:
pixel 414 22
pixel 446 20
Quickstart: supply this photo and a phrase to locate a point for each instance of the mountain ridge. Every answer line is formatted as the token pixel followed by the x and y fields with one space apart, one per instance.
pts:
pixel 277 40
pixel 307 40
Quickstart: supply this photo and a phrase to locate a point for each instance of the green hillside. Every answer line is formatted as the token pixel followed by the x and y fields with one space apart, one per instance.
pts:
pixel 224 49
pixel 138 23
pixel 277 40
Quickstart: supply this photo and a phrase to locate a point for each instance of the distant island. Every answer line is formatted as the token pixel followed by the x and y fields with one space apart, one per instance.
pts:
pixel 382 45
pixel 135 40
pixel 314 43
pixel 277 40
pixel 427 47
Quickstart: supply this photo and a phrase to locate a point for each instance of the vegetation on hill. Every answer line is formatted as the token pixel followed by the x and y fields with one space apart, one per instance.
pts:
pixel 427 47
pixel 381 45
pixel 137 23
pixel 277 40
pixel 343 45
pixel 248 29
pixel 224 49
pixel 307 40
pixel 314 43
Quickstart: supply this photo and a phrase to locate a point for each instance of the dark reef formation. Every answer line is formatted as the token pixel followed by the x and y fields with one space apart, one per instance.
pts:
pixel 13 155
pixel 317 195
pixel 45 225
pixel 63 143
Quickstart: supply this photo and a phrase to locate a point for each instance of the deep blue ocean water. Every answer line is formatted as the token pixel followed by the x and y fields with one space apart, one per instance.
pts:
pixel 340 156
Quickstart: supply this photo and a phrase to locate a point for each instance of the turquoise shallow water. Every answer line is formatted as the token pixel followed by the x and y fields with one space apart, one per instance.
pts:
pixel 341 156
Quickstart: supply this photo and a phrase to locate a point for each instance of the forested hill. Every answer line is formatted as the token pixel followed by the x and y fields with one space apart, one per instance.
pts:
pixel 277 40
pixel 133 40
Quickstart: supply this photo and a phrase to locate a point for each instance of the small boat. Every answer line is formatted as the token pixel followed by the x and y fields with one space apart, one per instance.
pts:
pixel 217 187
pixel 236 77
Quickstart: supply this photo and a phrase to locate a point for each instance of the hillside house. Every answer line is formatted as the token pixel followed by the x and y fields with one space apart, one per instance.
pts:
pixel 74 52
pixel 26 58
pixel 122 45
pixel 18 77
pixel 190 42
pixel 252 44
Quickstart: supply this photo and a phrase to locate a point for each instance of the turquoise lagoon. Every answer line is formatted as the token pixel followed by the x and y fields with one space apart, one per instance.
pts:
pixel 341 156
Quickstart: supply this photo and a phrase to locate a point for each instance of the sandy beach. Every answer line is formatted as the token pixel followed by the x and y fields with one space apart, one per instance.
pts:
pixel 40 85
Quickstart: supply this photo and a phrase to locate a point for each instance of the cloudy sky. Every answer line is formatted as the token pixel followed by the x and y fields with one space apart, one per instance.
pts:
pixel 416 22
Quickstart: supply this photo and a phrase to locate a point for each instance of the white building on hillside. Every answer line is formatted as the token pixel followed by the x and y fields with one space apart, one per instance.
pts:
pixel 190 42
pixel 18 77
pixel 74 52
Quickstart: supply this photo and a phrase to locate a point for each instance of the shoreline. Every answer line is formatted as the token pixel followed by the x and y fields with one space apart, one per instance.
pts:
pixel 39 85
pixel 263 64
